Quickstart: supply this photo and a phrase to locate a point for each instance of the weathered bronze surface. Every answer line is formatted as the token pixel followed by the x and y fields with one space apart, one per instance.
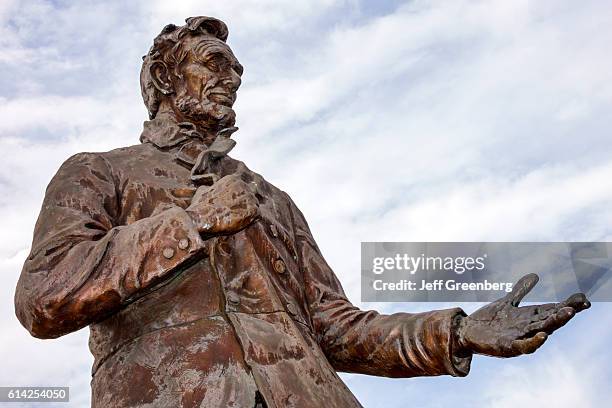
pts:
pixel 201 282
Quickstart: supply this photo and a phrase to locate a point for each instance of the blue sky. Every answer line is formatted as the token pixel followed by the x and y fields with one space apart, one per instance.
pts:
pixel 388 121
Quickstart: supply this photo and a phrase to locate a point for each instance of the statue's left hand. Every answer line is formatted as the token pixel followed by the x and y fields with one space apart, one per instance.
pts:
pixel 502 329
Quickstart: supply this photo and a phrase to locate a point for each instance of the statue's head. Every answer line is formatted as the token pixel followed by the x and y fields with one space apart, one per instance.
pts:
pixel 191 70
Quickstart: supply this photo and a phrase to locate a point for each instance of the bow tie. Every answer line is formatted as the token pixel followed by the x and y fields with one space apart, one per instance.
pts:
pixel 164 132
pixel 202 171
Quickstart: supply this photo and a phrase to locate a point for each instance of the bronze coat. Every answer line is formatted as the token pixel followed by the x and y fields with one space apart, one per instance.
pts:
pixel 181 321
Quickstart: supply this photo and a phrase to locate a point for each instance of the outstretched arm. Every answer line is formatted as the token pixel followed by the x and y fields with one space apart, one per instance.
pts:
pixel 430 343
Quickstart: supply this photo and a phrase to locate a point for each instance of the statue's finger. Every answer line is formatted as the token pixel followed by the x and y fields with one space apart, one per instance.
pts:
pixel 528 346
pixel 552 322
pixel 542 311
pixel 522 288
pixel 577 301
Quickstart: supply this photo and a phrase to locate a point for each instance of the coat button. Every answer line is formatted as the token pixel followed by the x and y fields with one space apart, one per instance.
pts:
pixel 233 298
pixel 274 230
pixel 291 308
pixel 168 253
pixel 279 266
pixel 183 243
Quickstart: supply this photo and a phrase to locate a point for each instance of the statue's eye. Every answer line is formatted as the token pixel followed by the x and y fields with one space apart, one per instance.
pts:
pixel 213 65
pixel 217 63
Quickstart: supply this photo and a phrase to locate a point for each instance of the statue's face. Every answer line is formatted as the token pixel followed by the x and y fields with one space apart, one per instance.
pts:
pixel 210 78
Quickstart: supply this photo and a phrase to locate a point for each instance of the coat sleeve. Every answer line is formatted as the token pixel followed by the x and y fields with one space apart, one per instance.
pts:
pixel 366 342
pixel 83 267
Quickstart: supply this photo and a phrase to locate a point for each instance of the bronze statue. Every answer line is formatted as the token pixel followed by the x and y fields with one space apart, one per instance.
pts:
pixel 201 282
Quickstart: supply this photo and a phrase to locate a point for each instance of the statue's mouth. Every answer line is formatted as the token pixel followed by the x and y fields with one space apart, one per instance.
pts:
pixel 221 98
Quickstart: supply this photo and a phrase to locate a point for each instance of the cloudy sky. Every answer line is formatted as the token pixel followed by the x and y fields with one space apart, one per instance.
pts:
pixel 385 120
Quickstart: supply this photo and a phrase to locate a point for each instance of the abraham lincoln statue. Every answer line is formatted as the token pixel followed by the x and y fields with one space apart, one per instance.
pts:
pixel 200 281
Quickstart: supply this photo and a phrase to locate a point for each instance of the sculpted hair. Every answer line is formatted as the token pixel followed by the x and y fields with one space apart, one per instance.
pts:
pixel 167 48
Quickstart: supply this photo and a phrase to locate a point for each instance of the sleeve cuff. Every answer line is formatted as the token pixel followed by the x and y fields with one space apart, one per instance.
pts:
pixel 174 241
pixel 458 364
pixel 433 341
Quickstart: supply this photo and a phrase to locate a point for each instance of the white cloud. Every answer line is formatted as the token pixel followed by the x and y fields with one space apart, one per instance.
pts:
pixel 541 387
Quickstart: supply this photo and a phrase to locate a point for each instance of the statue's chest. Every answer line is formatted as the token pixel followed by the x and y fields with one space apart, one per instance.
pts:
pixel 148 187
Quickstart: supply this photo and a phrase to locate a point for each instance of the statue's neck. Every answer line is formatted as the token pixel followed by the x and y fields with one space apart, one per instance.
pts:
pixel 167 114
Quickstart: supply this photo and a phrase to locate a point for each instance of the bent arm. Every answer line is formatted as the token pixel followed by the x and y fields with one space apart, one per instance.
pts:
pixel 82 267
pixel 366 342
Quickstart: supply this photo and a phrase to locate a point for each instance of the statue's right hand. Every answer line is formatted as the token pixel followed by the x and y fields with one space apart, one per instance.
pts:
pixel 226 207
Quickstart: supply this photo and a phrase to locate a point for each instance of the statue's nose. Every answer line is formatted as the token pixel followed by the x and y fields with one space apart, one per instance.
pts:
pixel 233 81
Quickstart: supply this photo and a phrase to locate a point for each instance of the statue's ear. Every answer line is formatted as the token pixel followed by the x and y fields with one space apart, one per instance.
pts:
pixel 161 77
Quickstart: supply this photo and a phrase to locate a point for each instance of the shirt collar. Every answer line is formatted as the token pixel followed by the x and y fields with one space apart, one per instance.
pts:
pixel 165 132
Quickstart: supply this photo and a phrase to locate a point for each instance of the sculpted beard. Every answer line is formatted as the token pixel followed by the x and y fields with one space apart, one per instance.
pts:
pixel 209 114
